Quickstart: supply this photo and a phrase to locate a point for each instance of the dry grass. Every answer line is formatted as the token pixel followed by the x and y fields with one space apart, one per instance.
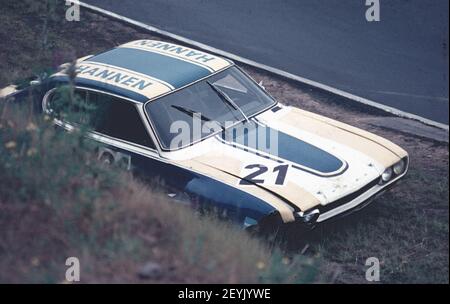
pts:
pixel 57 201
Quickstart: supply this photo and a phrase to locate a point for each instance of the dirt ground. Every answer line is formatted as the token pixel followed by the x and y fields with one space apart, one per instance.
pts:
pixel 406 229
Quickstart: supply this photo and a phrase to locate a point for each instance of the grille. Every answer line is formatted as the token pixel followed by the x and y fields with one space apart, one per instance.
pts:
pixel 348 198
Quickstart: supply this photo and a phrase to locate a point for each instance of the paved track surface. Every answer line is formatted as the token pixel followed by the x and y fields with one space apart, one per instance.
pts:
pixel 401 61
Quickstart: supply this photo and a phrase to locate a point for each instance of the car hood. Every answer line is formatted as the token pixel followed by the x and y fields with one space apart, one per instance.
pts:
pixel 326 159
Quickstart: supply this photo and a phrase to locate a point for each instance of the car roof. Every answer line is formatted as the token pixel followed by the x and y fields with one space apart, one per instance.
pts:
pixel 145 69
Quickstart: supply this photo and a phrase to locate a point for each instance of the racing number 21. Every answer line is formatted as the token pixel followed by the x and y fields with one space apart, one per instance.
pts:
pixel 252 178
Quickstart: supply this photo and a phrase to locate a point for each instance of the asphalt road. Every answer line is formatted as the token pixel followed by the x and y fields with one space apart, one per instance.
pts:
pixel 401 61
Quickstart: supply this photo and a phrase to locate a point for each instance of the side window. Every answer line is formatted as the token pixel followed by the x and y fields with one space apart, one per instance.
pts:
pixel 105 114
pixel 59 105
pixel 118 118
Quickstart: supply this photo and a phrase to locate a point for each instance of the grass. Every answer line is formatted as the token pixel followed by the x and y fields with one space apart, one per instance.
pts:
pixel 407 229
pixel 58 201
pixel 409 236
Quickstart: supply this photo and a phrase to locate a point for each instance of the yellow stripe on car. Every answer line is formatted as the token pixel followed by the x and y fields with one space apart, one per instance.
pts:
pixel 7 91
pixel 209 164
pixel 381 150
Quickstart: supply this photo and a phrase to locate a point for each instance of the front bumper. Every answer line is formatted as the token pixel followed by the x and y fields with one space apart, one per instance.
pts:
pixel 357 204
pixel 357 200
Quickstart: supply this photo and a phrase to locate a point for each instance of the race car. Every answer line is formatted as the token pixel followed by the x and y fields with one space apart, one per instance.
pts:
pixel 217 140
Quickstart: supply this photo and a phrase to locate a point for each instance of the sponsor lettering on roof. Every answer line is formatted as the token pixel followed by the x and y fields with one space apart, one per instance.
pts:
pixel 122 78
pixel 211 62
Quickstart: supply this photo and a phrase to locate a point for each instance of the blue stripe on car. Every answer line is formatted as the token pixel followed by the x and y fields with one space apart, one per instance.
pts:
pixel 301 153
pixel 174 71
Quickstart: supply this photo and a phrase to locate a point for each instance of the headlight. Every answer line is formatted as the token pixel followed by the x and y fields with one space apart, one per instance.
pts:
pixel 399 167
pixel 387 175
pixel 309 217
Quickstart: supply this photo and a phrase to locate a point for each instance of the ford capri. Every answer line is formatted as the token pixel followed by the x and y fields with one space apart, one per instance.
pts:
pixel 218 140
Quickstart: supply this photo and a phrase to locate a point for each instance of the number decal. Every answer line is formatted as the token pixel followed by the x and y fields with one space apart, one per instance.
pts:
pixel 282 171
pixel 252 178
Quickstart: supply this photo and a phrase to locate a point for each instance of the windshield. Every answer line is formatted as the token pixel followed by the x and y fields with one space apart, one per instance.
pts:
pixel 205 108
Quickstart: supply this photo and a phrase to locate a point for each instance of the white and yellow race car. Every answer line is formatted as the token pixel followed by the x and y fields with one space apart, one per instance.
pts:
pixel 218 140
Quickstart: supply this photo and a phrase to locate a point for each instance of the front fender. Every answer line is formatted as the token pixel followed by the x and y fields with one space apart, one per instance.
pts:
pixel 239 206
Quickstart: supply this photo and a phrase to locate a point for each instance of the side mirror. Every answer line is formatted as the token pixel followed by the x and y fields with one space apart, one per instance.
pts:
pixel 35 82
pixel 38 78
pixel 261 84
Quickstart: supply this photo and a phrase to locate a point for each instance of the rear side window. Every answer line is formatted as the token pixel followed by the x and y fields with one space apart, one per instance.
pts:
pixel 105 114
